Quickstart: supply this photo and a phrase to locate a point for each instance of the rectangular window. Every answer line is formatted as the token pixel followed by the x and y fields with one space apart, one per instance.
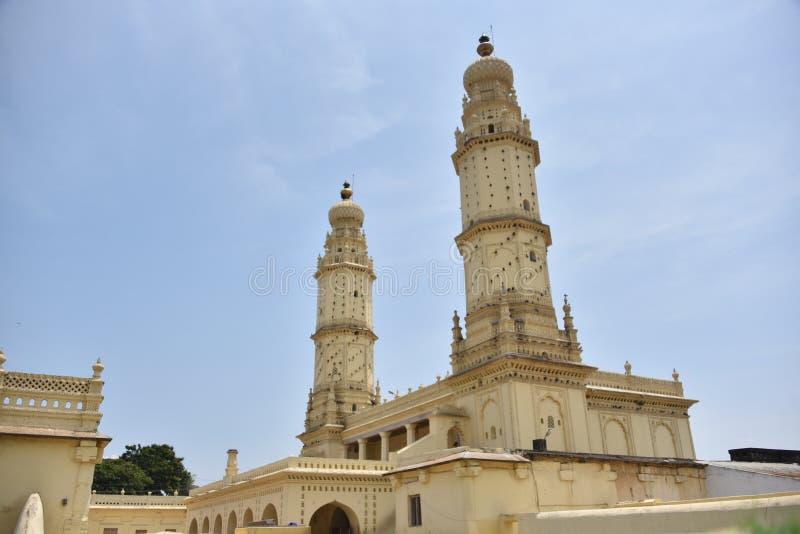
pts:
pixel 414 511
pixel 109 531
pixel 141 531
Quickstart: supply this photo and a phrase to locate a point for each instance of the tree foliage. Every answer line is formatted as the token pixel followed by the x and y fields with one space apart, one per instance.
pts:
pixel 140 469
pixel 113 475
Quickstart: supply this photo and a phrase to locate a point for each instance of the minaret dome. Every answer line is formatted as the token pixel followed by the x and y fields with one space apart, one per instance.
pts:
pixel 346 212
pixel 487 70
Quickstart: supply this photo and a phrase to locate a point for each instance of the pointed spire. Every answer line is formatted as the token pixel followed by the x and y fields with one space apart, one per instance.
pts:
pixel 457 332
pixel 675 374
pixel 568 323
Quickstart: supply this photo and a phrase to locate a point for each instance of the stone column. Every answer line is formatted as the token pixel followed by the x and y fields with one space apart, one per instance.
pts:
pixel 362 449
pixel 385 446
pixel 411 428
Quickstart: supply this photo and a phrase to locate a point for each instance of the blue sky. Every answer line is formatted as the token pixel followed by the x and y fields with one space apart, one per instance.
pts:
pixel 153 155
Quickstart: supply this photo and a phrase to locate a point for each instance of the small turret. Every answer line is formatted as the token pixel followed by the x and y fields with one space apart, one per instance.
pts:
pixel 568 324
pixel 231 467
pixel 97 369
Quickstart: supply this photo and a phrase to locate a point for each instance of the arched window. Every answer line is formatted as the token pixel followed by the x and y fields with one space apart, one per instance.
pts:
pixel 526 205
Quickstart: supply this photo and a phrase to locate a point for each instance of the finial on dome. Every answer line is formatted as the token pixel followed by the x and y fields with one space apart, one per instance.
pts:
pixel 2 360
pixel 485 48
pixel 675 375
pixel 627 368
pixel 346 192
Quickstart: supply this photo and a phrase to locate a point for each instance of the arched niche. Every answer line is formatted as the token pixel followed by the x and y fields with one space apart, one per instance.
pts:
pixel 616 438
pixel 551 423
pixel 664 442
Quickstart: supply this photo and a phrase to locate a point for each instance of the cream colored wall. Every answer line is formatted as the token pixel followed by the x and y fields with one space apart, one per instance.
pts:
pixel 472 495
pixel 57 469
pixel 133 518
pixel 462 498
pixel 718 516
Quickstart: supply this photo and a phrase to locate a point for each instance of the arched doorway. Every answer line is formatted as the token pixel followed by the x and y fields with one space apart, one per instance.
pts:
pixel 193 527
pixel 218 524
pixel 334 518
pixel 247 518
pixel 270 513
pixel 205 524
pixel 231 523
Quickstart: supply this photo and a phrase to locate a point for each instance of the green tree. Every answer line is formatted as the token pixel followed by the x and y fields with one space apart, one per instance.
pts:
pixel 162 465
pixel 113 475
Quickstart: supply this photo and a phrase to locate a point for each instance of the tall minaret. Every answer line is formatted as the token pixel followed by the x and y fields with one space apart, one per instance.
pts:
pixel 343 341
pixel 503 240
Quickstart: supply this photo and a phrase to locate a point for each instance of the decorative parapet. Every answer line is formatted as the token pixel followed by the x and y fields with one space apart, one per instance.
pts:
pixel 301 464
pixel 635 383
pixel 437 391
pixel 137 501
pixel 50 401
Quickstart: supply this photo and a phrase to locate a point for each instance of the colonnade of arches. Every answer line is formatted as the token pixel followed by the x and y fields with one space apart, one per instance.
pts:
pixel 205 526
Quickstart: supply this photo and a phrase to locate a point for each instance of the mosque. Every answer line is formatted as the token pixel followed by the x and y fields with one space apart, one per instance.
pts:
pixel 519 405
pixel 521 435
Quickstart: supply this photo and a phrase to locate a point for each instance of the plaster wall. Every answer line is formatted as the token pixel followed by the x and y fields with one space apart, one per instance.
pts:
pixel 725 482
pixel 53 468
pixel 463 498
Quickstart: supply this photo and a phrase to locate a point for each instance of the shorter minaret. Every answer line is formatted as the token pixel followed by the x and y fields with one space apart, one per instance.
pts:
pixel 343 341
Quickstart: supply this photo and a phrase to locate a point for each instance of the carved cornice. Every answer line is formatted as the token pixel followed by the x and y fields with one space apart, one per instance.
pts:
pixel 520 367
pixel 600 398
pixel 344 329
pixel 504 222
